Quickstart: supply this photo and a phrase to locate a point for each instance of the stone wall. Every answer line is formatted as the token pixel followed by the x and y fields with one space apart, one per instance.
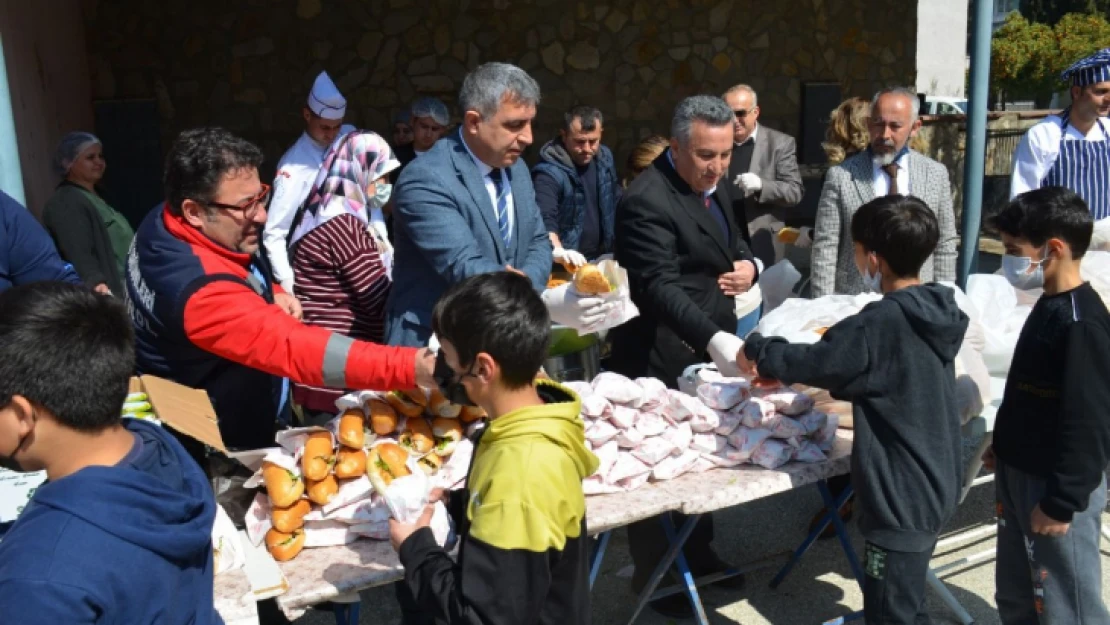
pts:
pixel 247 64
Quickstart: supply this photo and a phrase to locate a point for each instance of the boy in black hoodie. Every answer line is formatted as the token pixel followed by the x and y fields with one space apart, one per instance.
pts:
pixel 122 530
pixel 894 362
pixel 1052 436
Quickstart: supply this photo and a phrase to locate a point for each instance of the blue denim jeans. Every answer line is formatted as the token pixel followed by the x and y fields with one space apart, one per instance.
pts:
pixel 747 323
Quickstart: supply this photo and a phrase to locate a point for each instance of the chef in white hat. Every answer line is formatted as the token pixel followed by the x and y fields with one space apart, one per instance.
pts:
pixel 1072 149
pixel 323 119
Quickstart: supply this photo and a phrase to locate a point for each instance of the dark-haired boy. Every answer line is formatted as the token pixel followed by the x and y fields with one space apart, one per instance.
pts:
pixel 1052 435
pixel 121 531
pixel 522 516
pixel 894 361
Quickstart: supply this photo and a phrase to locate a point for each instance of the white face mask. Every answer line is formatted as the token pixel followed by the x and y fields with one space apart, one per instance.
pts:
pixel 382 191
pixel 1016 270
pixel 874 283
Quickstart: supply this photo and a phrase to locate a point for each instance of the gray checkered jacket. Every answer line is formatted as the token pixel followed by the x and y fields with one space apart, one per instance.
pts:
pixel 848 186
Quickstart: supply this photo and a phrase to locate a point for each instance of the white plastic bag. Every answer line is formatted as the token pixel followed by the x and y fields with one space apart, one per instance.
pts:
pixel 623 310
pixel 1001 317
pixel 777 283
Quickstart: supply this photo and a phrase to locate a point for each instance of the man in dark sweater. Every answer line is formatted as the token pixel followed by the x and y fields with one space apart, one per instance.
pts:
pixel 577 189
pixel 1053 429
pixel 895 362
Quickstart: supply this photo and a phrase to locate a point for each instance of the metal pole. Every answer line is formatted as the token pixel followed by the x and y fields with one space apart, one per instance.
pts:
pixel 976 153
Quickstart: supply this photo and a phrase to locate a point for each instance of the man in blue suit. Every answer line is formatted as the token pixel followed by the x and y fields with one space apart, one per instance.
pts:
pixel 467 206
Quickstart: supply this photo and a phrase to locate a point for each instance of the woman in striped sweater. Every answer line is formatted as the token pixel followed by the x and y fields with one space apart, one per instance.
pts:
pixel 341 257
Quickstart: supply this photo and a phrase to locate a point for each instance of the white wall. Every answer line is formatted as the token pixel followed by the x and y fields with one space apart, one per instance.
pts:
pixel 941 46
pixel 44 46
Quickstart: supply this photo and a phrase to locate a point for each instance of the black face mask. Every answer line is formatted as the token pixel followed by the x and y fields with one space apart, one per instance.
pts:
pixel 9 462
pixel 449 383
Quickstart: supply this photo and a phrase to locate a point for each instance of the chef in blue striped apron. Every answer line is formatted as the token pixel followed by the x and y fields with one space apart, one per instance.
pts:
pixel 1072 149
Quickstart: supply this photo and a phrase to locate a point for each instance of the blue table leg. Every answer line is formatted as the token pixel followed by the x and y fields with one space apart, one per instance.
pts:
pixel 599 554
pixel 832 509
pixel 346 613
pixel 838 524
pixel 832 515
pixel 684 570
pixel 665 563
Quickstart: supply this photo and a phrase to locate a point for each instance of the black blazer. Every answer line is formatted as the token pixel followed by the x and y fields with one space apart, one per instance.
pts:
pixel 674 252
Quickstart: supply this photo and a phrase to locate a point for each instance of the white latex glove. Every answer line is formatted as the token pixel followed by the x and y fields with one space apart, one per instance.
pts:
pixel 749 183
pixel 568 257
pixel 575 311
pixel 723 348
pixel 805 238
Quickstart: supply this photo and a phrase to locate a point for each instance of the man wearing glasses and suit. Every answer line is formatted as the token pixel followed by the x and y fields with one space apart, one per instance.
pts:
pixel 763 174
pixel 208 313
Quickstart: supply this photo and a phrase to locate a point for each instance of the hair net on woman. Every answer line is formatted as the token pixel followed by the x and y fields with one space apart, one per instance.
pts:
pixel 71 147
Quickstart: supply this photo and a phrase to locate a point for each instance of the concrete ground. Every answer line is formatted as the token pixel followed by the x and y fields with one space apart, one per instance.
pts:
pixel 820 588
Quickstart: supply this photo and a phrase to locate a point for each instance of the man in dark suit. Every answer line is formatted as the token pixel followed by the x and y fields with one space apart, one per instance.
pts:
pixel 686 260
pixel 763 175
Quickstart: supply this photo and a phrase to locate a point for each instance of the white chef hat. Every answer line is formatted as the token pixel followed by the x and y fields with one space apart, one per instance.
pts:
pixel 325 99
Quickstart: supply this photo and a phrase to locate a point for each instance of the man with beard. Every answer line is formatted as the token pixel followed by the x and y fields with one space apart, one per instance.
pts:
pixel 208 313
pixel 886 167
pixel 1072 149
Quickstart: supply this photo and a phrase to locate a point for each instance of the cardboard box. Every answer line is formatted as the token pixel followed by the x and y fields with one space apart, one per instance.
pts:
pixel 186 410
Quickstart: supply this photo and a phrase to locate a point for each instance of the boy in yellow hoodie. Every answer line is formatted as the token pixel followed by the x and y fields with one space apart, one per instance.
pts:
pixel 524 551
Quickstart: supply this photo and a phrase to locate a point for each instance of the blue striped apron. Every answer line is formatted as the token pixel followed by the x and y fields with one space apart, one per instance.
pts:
pixel 1084 167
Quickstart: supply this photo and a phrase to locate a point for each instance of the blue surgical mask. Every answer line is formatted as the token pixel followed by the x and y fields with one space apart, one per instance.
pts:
pixel 382 191
pixel 1016 270
pixel 874 283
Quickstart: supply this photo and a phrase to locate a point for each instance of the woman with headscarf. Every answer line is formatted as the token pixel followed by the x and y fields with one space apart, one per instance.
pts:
pixel 89 233
pixel 341 256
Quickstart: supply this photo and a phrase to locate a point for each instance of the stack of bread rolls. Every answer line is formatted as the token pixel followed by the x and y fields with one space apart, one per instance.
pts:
pixel 376 440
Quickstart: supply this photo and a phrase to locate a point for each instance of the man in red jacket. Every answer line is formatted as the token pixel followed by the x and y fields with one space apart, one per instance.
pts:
pixel 208 313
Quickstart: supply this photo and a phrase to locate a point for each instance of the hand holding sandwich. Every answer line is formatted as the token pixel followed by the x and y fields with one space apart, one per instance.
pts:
pixel 399 532
pixel 577 304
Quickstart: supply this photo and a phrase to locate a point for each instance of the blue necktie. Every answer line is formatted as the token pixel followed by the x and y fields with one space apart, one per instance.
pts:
pixel 502 208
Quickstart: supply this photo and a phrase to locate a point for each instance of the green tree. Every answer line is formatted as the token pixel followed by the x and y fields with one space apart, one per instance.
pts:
pixel 1027 57
pixel 1052 11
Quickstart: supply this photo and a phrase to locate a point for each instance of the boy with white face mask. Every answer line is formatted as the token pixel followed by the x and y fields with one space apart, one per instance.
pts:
pixel 1052 437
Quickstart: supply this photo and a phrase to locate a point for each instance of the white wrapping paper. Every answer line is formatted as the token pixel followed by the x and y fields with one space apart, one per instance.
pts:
pixel 622 310
pixel 630 439
pixel 708 443
pixel 674 466
pixel 653 450
pixel 651 424
pixel 787 401
pixel 746 441
pixel 600 431
pixel 228 552
pixel 596 406
pixel 623 417
pixel 730 420
pixel 724 394
pixel 680 436
pixel 625 467
pixel 772 454
pixel 618 389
